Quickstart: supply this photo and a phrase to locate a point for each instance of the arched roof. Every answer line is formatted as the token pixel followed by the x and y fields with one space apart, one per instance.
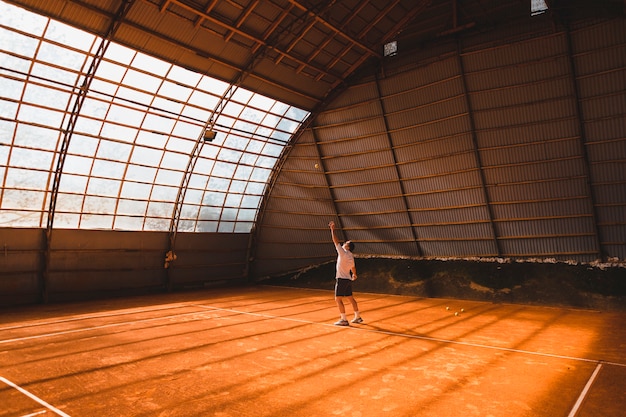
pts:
pixel 178 115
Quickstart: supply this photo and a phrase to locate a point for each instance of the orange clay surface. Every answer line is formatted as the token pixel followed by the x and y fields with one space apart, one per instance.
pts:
pixel 272 351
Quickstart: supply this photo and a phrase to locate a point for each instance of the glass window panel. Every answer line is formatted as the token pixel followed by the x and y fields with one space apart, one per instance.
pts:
pixel 24 178
pixel 88 126
pixel 69 36
pixel 128 223
pixel 243 227
pixel 196 114
pixel 226 227
pixel 212 85
pixel 8 110
pixel 190 211
pixel 108 169
pixel 243 172
pixel 94 107
pixel 218 184
pixel 98 204
pixel 114 150
pixel 141 173
pixel 83 145
pixel 250 201
pixel 23 199
pixel 103 187
pixel 233 109
pixel 128 95
pixel 130 207
pixel 60 56
pixel 151 139
pixel 66 220
pixel 30 158
pixel 134 190
pixel 72 184
pixel 224 169
pixel 262 102
pixel 169 177
pixel 265 161
pixel 237 186
pixel 156 224
pixel 17 43
pixel 21 19
pixel 70 203
pixel 125 115
pixel 19 218
pixel 175 161
pixel 186 225
pixel 40 116
pixel 210 213
pixel 229 214
pixel 45 96
pixel 36 137
pixel 272 149
pixel 206 227
pixel 256 188
pixel 102 88
pixel 204 100
pixel 233 200
pixel 119 53
pixel 77 165
pixel 114 131
pixel 146 156
pixel 151 64
pixel 179 145
pixel 184 76
pixel 163 193
pixel 10 88
pixel 229 155
pixel 198 181
pixel 187 130
pixel 147 82
pixel 260 174
pixel 168 105
pixel 110 71
pixel 157 209
pixel 54 76
pixel 246 215
pixel 214 199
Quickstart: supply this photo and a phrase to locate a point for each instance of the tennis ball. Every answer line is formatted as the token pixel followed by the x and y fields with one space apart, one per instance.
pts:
pixel 447 308
pixel 462 310
pixel 317 166
pixel 456 313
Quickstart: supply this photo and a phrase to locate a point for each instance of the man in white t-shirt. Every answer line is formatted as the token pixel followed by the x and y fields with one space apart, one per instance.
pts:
pixel 346 273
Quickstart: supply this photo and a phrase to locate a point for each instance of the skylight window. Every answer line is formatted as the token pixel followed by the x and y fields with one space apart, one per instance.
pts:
pixel 538 7
pixel 133 137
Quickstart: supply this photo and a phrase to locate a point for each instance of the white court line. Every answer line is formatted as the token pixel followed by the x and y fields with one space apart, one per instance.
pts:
pixel 412 336
pixel 583 394
pixel 86 329
pixel 33 397
pixel 93 316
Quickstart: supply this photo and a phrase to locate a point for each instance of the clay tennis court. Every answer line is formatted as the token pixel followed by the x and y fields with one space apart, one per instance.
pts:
pixel 273 351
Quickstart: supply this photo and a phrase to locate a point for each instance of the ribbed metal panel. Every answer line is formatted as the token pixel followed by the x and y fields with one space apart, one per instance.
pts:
pixel 517 185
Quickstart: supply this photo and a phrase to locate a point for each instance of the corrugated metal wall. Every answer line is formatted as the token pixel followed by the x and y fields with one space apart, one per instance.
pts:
pixel 510 143
pixel 95 263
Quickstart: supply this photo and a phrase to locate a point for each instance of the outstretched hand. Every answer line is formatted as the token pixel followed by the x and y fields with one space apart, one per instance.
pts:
pixel 331 225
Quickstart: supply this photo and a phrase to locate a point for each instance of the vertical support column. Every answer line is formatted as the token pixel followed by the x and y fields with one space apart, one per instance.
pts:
pixel 583 144
pixel 395 164
pixel 68 132
pixel 479 163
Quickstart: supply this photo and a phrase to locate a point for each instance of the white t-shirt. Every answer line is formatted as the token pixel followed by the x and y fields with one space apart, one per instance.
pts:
pixel 345 262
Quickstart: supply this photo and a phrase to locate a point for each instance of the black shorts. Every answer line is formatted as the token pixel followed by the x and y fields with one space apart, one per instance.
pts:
pixel 343 287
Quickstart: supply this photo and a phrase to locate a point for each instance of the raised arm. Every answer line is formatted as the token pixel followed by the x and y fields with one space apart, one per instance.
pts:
pixel 332 232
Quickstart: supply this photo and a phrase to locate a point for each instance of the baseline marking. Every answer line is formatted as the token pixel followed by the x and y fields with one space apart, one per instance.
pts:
pixel 33 397
pixel 585 390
